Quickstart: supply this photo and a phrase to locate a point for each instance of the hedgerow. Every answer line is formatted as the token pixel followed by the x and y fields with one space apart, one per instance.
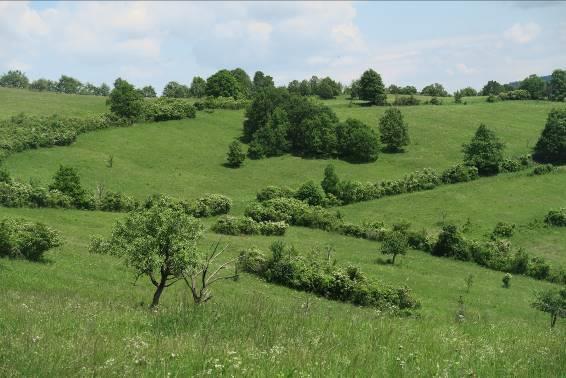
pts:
pixel 319 276
pixel 229 225
pixel 222 103
pixel 165 109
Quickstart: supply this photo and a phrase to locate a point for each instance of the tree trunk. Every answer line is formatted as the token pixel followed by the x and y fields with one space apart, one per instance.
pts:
pixel 393 261
pixel 159 290
pixel 553 317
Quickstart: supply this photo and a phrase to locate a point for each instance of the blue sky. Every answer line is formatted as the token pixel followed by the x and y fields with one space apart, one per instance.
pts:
pixel 417 43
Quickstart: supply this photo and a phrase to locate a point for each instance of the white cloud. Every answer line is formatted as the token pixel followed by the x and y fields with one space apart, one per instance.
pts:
pixel 522 33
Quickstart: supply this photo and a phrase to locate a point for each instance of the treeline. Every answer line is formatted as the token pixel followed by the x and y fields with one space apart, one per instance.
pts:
pixel 532 87
pixel 65 84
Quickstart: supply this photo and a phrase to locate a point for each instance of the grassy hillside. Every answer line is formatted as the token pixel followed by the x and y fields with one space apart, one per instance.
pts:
pixel 81 314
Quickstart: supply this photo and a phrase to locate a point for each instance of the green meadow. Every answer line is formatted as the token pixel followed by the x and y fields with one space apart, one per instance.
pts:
pixel 85 315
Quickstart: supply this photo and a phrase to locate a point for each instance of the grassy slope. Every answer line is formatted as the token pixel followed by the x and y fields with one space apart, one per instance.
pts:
pixel 88 316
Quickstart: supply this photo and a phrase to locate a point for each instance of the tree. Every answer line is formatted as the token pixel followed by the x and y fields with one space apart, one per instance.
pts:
pixel 557 86
pixel 305 88
pixel 40 85
pixel 159 242
pixel 552 301
pixel 245 85
pixel 273 136
pixel 394 131
pixel 330 181
pixel 175 90
pixel 235 156
pixel 68 84
pixel 485 151
pixel 551 146
pixel 264 103
pixel 468 92
pixel 310 193
pixel 395 243
pixel 313 84
pixel 434 90
pixel 262 81
pixel 67 181
pixel 125 101
pixel 319 132
pixel 325 91
pixel 14 79
pixel 355 90
pixel 103 90
pixel 357 142
pixel 372 88
pixel 492 88
pixel 198 87
pixel 458 97
pixel 535 86
pixel 222 84
pixel 148 91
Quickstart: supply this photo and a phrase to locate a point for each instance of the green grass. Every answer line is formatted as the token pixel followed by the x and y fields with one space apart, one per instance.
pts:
pixel 80 314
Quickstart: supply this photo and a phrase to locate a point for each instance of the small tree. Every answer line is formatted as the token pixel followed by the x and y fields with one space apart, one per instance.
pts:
pixel 458 97
pixel 236 155
pixel 198 87
pixel 394 131
pixel 492 88
pixel 222 84
pixel 125 101
pixel 557 86
pixel 485 151
pixel 395 243
pixel 310 193
pixel 330 182
pixel 371 88
pixel 507 280
pixel 551 146
pixel 159 242
pixel 552 301
pixel 67 181
pixel 14 79
pixel 175 90
pixel 535 86
pixel 357 142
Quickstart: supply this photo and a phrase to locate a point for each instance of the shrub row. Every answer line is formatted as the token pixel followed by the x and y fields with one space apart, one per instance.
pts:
pixel 321 277
pixel 165 109
pixel 519 94
pixel 229 225
pixel 23 239
pixel 222 103
pixel 22 132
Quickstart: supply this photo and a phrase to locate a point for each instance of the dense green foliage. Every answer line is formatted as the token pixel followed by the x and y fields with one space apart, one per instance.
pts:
pixel 535 86
pixel 393 130
pixel 356 141
pixel 485 151
pixel 14 79
pixel 125 101
pixel 229 225
pixel 371 88
pixel 20 238
pixel 198 87
pixel 223 84
pixel 553 302
pixel 175 90
pixel 434 90
pixel 557 86
pixel 166 108
pixel 556 218
pixel 551 146
pixel 236 156
pixel 492 88
pixel 519 94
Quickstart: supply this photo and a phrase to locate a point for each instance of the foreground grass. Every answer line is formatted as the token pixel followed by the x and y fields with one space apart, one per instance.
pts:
pixel 79 314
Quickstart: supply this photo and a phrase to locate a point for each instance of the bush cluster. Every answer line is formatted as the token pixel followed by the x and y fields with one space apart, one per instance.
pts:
pixel 459 173
pixel 406 100
pixel 519 94
pixel 22 132
pixel 229 225
pixel 165 109
pixel 20 238
pixel 556 218
pixel 319 276
pixel 230 103
pixel 543 169
pixel 210 205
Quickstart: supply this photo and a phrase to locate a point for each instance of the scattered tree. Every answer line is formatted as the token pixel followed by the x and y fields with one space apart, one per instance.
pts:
pixel 394 131
pixel 372 88
pixel 492 88
pixel 198 87
pixel 434 90
pixel 557 86
pixel 222 84
pixel 551 146
pixel 159 242
pixel 395 243
pixel 273 136
pixel 485 151
pixel 175 90
pixel 125 101
pixel 535 86
pixel 14 79
pixel 236 155
pixel 330 182
pixel 262 81
pixel 70 85
pixel 357 142
pixel 245 85
pixel 552 301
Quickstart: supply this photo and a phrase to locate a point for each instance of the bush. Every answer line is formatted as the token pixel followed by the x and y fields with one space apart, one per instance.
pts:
pixel 451 244
pixel 510 165
pixel 165 109
pixel 538 268
pixel 519 94
pixel 236 156
pixel 271 192
pixel 273 228
pixel 551 146
pixel 356 142
pixel 435 90
pixel 485 151
pixel 435 101
pixel 114 201
pixel 556 218
pixel 406 100
pixel 210 205
pixel 543 169
pixel 503 230
pixel 23 239
pixel 507 280
pixel 330 181
pixel 67 181
pixel 310 193
pixel 229 103
pixel 459 173
pixel 492 98
pixel 394 132
pixel 229 225
pixel 319 276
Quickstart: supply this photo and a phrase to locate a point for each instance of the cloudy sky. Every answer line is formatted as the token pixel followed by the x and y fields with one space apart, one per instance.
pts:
pixel 456 44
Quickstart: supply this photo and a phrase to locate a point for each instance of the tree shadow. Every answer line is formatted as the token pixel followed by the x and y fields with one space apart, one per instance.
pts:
pixel 384 261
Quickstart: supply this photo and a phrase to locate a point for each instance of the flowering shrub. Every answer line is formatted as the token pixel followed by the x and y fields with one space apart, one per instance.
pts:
pixel 272 191
pixel 229 225
pixel 459 173
pixel 519 94
pixel 211 204
pixel 165 109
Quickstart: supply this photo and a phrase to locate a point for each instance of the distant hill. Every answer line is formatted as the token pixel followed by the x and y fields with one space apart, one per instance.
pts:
pixel 516 84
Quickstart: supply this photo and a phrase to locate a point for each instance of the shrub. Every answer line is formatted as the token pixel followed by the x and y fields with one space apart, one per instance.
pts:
pixel 236 156
pixel 551 146
pixel 229 103
pixel 406 100
pixel 229 225
pixel 485 151
pixel 543 169
pixel 14 79
pixel 538 268
pixel 459 173
pixel 451 244
pixel 507 280
pixel 23 239
pixel 519 94
pixel 435 101
pixel 273 228
pixel 165 109
pixel 5 176
pixel 503 230
pixel 356 142
pixel 330 182
pixel 510 165
pixel 210 205
pixel 67 181
pixel 319 276
pixel 271 192
pixel 114 201
pixel 492 98
pixel 434 90
pixel 556 218
pixel 310 193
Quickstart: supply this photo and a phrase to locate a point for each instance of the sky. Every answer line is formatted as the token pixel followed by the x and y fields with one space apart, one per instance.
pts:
pixel 457 44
